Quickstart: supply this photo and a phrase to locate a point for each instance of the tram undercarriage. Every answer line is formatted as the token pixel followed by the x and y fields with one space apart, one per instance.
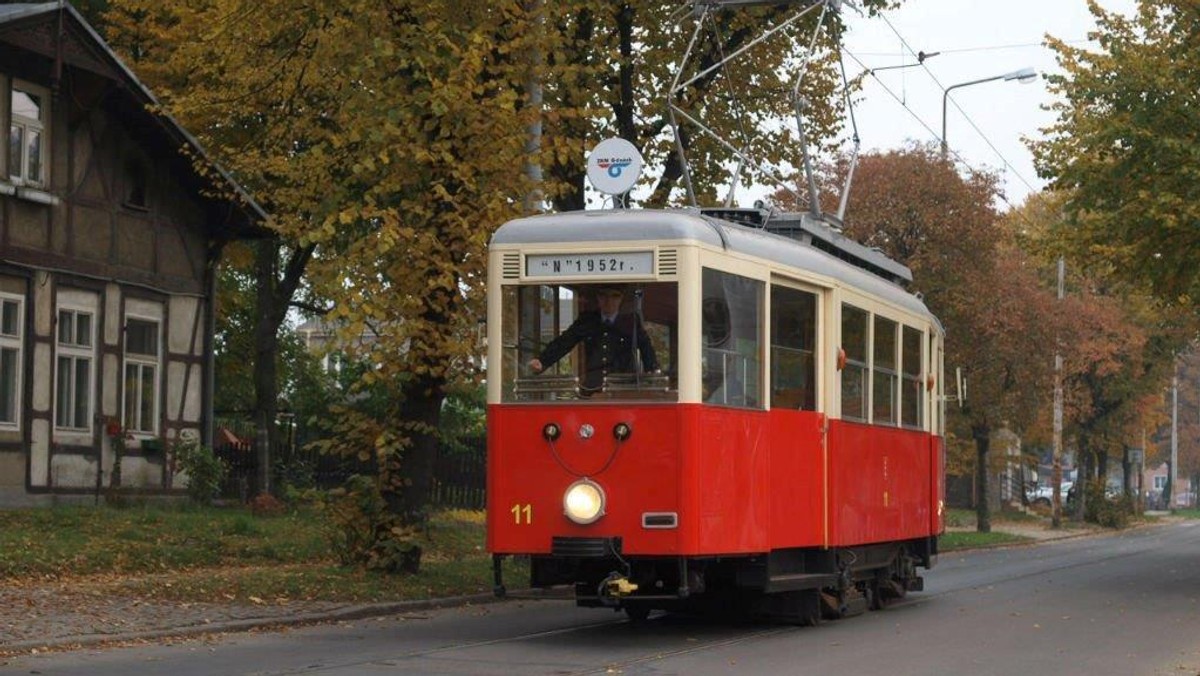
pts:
pixel 802 585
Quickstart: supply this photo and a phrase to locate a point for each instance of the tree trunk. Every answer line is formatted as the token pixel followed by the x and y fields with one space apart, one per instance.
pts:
pixel 274 294
pixel 1102 466
pixel 423 398
pixel 266 346
pixel 1083 477
pixel 983 516
pixel 1126 471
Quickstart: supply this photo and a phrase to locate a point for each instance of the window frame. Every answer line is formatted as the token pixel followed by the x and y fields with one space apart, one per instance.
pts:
pixel 912 383
pixel 890 374
pixel 863 366
pixel 14 341
pixel 141 362
pixel 811 400
pixel 27 124
pixel 755 392
pixel 534 313
pixel 75 353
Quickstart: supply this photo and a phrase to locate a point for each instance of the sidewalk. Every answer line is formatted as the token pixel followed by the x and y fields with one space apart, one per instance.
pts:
pixel 1035 531
pixel 40 615
pixel 54 615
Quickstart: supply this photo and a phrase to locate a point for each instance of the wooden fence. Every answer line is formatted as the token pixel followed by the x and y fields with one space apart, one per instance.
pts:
pixel 459 477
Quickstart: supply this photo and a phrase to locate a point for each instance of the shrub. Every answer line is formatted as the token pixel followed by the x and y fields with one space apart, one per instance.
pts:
pixel 363 531
pixel 265 504
pixel 204 469
pixel 1109 512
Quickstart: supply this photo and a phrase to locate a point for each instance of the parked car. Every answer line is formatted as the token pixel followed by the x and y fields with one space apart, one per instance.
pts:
pixel 1043 495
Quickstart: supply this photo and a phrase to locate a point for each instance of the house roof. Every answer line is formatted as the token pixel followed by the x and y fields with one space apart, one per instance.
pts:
pixel 21 14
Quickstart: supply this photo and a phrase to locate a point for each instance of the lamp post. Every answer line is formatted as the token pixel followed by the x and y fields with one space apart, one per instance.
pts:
pixel 1024 76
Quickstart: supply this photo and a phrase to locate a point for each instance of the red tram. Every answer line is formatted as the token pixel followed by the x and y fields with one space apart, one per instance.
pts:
pixel 782 450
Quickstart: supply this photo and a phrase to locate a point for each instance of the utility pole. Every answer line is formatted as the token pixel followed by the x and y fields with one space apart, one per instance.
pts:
pixel 533 143
pixel 1056 471
pixel 1174 472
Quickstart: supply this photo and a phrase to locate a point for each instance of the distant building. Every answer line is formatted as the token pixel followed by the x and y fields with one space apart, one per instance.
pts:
pixel 1154 483
pixel 109 243
pixel 322 341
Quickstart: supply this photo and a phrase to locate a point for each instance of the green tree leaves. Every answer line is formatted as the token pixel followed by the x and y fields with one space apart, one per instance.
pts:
pixel 1125 146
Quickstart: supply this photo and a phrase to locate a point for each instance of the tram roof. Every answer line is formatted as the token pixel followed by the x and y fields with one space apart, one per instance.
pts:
pixel 806 243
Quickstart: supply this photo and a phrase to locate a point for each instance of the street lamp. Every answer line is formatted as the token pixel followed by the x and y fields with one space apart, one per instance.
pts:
pixel 1024 76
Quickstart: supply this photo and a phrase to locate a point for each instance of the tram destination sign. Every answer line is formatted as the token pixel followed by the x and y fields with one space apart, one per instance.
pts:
pixel 590 265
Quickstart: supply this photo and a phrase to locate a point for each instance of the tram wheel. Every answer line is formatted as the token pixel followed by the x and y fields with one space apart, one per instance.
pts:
pixel 871 593
pixel 808 607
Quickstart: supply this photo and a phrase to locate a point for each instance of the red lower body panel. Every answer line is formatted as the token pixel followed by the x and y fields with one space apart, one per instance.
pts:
pixel 739 481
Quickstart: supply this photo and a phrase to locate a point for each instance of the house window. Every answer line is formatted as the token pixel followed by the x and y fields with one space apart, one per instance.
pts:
pixel 1160 482
pixel 10 362
pixel 136 178
pixel 141 375
pixel 27 150
pixel 73 401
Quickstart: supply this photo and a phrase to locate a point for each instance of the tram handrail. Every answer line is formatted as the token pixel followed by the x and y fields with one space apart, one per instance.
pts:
pixel 629 382
pixel 570 387
pixel 546 384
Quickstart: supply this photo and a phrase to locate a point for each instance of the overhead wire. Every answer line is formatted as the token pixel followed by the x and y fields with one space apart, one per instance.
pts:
pixel 988 48
pixel 1008 165
pixel 958 158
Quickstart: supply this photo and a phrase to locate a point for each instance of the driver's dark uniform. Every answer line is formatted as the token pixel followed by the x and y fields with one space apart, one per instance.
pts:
pixel 608 348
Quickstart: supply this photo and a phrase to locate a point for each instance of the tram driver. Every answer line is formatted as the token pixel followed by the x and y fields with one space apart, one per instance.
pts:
pixel 607 335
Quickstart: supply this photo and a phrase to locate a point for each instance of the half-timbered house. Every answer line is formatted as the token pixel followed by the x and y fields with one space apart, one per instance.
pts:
pixel 110 237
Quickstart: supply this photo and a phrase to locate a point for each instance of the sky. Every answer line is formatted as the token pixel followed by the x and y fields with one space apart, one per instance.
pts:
pixel 975 39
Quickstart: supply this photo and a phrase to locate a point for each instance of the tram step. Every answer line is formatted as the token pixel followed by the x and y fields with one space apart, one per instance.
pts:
pixel 799 582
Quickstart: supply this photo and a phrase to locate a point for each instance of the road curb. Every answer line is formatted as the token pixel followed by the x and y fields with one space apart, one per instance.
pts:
pixel 355 612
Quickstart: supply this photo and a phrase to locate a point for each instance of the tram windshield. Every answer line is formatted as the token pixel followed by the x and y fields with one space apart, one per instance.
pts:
pixel 590 341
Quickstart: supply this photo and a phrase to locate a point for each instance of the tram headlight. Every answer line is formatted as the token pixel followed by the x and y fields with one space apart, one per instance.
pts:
pixel 584 501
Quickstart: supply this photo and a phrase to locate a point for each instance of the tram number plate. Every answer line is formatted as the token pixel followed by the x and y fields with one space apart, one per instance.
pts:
pixel 589 265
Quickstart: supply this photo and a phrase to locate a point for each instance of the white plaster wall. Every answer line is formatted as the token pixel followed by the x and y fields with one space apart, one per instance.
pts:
pixel 12 469
pixel 110 403
pixel 176 373
pixel 43 304
pixel 74 471
pixel 39 453
pixel 43 377
pixel 137 471
pixel 191 406
pixel 112 314
pixel 183 318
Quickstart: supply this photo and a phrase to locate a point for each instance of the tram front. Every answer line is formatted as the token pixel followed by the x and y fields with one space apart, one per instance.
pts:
pixel 585 471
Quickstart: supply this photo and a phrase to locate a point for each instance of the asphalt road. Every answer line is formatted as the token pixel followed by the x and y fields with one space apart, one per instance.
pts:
pixel 1122 604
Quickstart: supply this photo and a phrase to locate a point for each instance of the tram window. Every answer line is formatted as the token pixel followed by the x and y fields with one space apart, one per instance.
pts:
pixel 854 373
pixel 562 329
pixel 730 361
pixel 913 394
pixel 884 384
pixel 793 342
